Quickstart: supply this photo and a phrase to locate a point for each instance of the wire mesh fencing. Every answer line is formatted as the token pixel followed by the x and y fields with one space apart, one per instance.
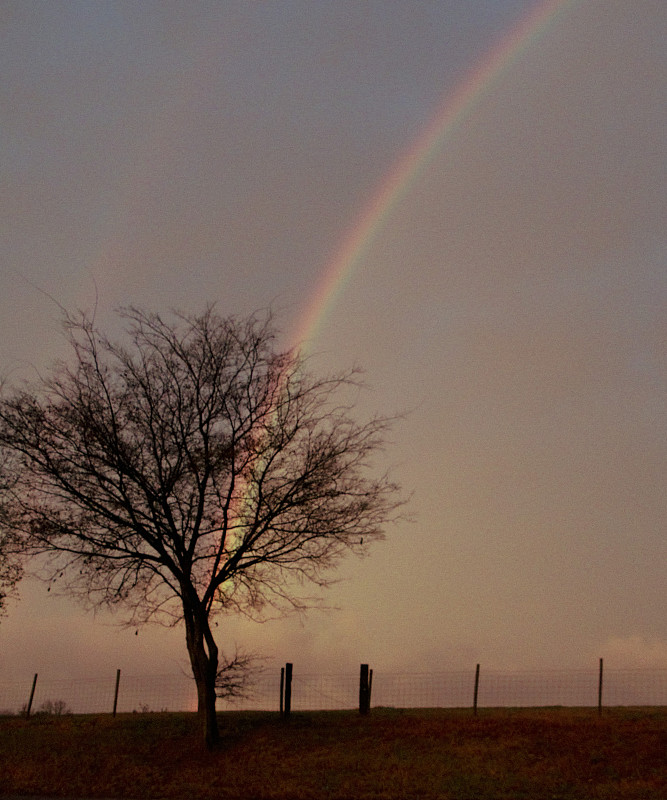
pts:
pixel 128 693
pixel 635 687
pixel 140 693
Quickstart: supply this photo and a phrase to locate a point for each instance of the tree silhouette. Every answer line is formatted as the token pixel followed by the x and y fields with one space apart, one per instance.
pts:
pixel 191 469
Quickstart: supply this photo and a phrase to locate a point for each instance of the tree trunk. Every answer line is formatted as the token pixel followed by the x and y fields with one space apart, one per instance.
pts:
pixel 204 661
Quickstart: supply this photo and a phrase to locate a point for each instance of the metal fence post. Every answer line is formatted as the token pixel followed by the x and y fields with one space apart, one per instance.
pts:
pixel 474 702
pixel 32 694
pixel 288 690
pixel 364 690
pixel 115 694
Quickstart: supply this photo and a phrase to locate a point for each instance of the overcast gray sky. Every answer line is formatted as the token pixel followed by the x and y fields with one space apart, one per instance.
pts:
pixel 169 155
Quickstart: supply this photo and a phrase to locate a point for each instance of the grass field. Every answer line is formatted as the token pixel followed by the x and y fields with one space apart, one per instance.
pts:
pixel 535 754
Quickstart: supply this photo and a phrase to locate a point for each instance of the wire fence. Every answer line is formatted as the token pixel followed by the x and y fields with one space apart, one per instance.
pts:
pixel 140 693
pixel 460 689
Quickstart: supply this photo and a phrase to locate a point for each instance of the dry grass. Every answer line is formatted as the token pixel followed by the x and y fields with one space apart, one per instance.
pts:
pixel 541 754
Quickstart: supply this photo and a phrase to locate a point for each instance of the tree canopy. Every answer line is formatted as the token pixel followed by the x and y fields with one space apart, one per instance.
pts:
pixel 10 547
pixel 10 569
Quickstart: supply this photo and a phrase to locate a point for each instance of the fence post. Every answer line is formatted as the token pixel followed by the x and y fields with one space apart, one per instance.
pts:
pixel 364 690
pixel 32 694
pixel 282 688
pixel 288 690
pixel 474 702
pixel 115 694
pixel 600 689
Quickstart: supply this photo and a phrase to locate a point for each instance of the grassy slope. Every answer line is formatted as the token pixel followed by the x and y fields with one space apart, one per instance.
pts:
pixel 502 754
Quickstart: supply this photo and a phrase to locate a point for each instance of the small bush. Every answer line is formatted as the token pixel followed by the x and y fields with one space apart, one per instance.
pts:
pixel 57 708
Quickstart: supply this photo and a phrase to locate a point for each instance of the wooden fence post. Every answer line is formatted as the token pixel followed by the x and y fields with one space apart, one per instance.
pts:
pixel 32 694
pixel 600 689
pixel 288 690
pixel 364 690
pixel 474 702
pixel 282 688
pixel 115 694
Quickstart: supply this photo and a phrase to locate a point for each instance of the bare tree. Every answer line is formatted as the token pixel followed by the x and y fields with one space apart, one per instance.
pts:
pixel 188 470
pixel 237 675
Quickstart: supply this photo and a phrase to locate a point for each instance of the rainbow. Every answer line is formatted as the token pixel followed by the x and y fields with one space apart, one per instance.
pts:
pixel 452 112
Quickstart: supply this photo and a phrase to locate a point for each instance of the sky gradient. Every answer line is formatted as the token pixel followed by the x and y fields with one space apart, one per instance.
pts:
pixel 510 295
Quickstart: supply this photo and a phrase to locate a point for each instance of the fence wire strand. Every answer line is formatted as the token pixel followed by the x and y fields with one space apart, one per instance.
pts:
pixel 137 693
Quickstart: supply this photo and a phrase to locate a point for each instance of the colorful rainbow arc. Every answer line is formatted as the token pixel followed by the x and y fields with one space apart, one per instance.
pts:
pixel 451 114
